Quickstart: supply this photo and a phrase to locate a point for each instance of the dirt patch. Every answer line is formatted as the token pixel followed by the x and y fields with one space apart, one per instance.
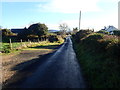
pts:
pixel 12 64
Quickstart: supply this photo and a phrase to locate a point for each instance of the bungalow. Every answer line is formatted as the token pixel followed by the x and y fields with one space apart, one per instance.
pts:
pixel 18 30
pixel 110 29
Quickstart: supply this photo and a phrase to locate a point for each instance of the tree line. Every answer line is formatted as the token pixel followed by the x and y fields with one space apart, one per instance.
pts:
pixel 36 30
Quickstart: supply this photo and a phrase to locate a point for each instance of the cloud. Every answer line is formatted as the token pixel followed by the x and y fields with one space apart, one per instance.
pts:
pixel 69 6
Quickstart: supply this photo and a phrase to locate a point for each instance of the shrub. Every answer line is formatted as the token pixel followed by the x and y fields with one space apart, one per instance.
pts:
pixel 6 49
pixel 55 38
pixel 81 34
pixel 116 32
pixel 38 29
pixel 103 32
pixel 6 32
pixel 99 57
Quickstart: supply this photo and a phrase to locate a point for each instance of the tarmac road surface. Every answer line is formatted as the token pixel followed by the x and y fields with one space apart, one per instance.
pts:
pixel 61 70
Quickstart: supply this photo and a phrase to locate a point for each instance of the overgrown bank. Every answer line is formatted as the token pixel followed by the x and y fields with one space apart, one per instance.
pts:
pixel 99 57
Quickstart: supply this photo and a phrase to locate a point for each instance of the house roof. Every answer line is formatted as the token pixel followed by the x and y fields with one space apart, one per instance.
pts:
pixel 110 28
pixel 17 30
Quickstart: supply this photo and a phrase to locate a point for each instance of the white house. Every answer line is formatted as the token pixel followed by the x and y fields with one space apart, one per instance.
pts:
pixel 110 29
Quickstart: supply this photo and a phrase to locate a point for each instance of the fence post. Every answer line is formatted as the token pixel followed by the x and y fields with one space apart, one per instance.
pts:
pixel 34 41
pixel 21 41
pixel 38 40
pixel 46 39
pixel 10 44
pixel 41 38
pixel 29 41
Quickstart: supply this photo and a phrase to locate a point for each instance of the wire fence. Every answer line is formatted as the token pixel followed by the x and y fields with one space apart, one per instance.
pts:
pixel 19 44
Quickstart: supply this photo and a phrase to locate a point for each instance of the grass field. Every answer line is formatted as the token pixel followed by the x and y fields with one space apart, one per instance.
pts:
pixel 6 47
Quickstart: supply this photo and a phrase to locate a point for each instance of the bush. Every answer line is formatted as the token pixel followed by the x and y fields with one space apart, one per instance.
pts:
pixel 6 32
pixel 55 38
pixel 116 32
pixel 6 49
pixel 38 29
pixel 81 34
pixel 99 57
pixel 103 32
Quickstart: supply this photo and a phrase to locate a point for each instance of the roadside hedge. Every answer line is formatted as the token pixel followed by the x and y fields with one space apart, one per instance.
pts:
pixel 98 55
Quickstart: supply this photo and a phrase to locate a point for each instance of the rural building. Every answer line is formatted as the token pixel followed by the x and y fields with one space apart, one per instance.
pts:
pixel 110 29
pixel 18 30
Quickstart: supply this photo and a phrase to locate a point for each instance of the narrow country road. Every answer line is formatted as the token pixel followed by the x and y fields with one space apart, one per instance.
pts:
pixel 61 70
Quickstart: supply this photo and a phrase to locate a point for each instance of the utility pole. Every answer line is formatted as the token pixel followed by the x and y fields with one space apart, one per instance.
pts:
pixel 79 20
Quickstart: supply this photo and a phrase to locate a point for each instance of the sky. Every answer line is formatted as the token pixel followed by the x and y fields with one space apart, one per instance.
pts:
pixel 95 13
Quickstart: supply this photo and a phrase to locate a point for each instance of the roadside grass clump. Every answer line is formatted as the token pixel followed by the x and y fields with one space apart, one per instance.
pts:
pixel 46 43
pixel 55 38
pixel 98 55
pixel 6 49
pixel 103 32
pixel 116 32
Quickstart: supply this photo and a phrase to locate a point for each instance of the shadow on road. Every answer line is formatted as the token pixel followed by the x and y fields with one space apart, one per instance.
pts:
pixel 27 68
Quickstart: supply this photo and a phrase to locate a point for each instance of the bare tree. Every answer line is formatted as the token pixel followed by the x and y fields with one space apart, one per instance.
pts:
pixel 63 27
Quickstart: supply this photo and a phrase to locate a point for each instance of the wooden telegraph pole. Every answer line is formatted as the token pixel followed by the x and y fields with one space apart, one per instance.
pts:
pixel 79 20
